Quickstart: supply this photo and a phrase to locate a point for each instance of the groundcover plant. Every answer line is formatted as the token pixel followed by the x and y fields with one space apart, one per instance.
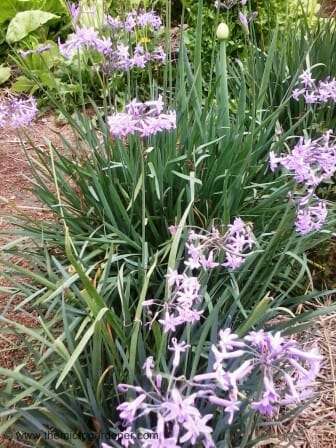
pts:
pixel 168 281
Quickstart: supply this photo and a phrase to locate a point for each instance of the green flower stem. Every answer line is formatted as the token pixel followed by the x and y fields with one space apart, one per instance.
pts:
pixel 223 92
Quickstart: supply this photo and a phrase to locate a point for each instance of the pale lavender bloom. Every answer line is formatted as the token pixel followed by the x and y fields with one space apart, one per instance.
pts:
pixel 142 119
pixel 229 340
pixel 130 22
pixel 178 348
pixel 264 406
pixel 285 382
pixel 256 338
pixel 149 19
pixel 244 21
pixel 195 253
pixel 230 406
pixel 114 23
pixel 306 78
pixel 125 439
pixel 85 38
pixel 197 428
pixel 311 161
pixel 158 54
pixel 16 112
pixel 326 90
pixel 172 230
pixel 170 322
pixel 128 410
pixel 148 367
pixel 208 263
pixel 313 92
pixel 161 441
pixel 173 277
pixel 121 125
pixel 183 411
pixel 74 12
pixel 121 58
pixel 311 218
pixel 140 57
pixel 239 240
pixel 310 98
pixel 297 93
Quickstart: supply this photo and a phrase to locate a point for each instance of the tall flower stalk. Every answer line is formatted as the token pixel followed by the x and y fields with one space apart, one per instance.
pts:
pixel 222 76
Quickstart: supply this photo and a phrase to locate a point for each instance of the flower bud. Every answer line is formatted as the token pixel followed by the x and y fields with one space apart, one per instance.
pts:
pixel 222 31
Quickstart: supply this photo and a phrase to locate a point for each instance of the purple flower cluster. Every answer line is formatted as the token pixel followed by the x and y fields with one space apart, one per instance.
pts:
pixel 236 243
pixel 135 20
pixel 143 119
pixel 74 11
pixel 311 217
pixel 119 53
pixel 315 92
pixel 85 38
pixel 121 58
pixel 185 299
pixel 286 374
pixel 287 371
pixel 311 162
pixel 17 112
pixel 183 306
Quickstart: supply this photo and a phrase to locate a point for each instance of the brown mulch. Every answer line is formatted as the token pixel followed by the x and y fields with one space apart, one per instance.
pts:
pixel 315 427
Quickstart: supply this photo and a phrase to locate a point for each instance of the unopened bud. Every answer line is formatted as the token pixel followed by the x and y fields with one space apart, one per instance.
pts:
pixel 223 31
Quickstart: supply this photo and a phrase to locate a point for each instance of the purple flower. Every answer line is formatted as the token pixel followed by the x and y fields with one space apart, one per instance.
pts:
pixel 315 92
pixel 148 367
pixel 306 78
pixel 178 348
pixel 85 38
pixel 149 19
pixel 311 161
pixel 130 22
pixel 239 240
pixel 16 112
pixel 246 20
pixel 128 410
pixel 143 119
pixel 312 217
pixel 243 20
pixel 140 57
pixel 297 93
pixel 230 406
pixel 158 54
pixel 208 263
pixel 114 23
pixel 74 12
pixel 310 98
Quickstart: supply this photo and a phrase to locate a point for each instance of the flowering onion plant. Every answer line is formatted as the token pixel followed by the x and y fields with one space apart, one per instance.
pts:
pixel 168 282
pixel 182 409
